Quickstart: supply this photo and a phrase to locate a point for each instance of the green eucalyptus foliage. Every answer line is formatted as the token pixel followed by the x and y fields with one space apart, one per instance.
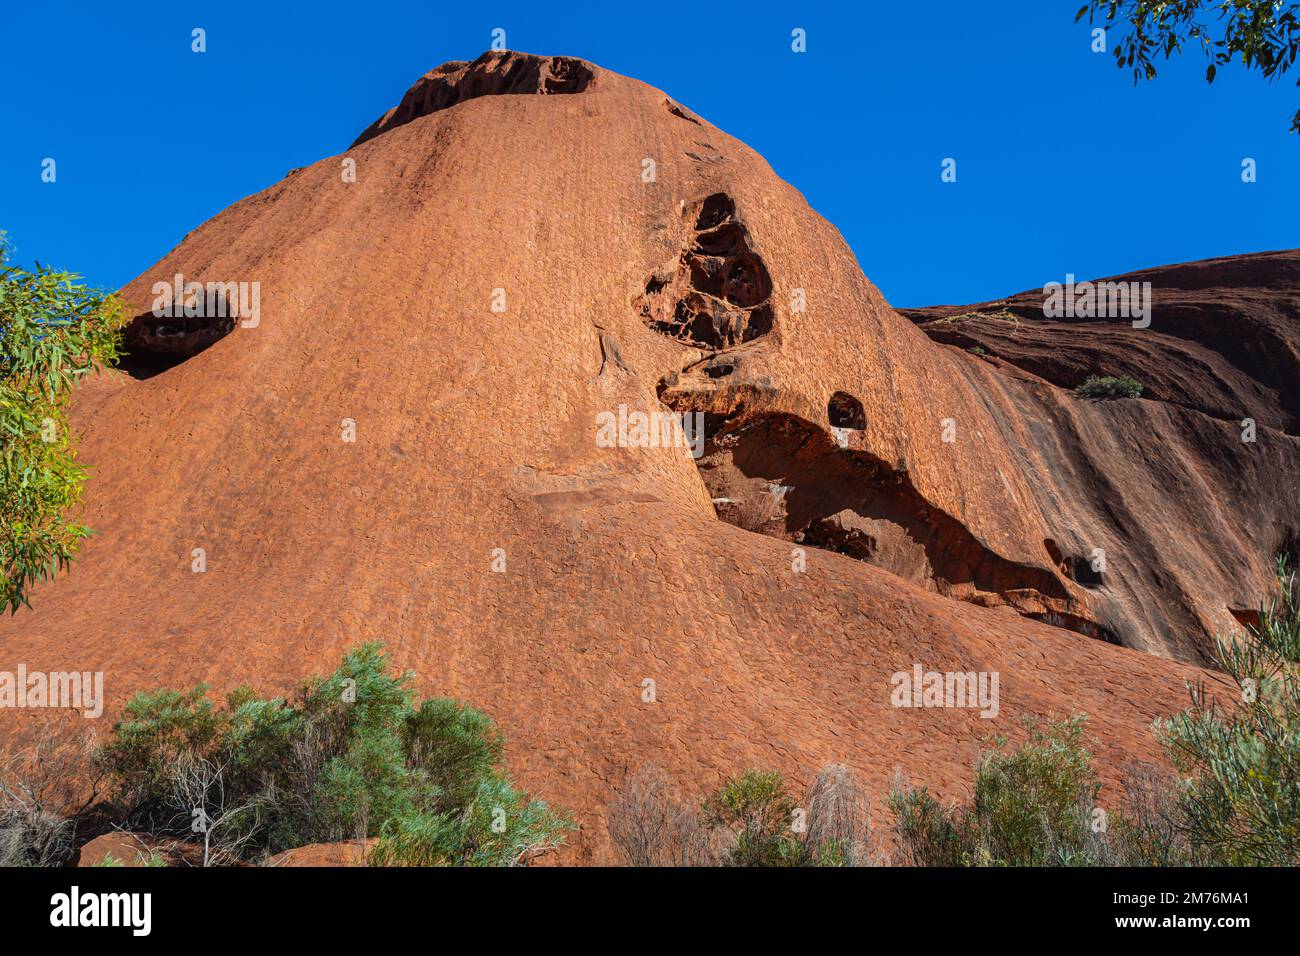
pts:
pixel 53 332
pixel 1263 35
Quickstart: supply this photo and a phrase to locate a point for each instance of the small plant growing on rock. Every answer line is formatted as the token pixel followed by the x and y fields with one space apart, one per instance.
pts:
pixel 1110 386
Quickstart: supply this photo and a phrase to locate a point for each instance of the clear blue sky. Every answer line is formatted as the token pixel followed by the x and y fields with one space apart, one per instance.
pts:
pixel 1063 165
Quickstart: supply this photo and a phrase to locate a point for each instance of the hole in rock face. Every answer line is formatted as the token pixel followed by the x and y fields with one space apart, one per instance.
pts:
pixel 1081 572
pixel 715 210
pixel 829 535
pixel 1247 616
pixel 845 411
pixel 1289 548
pixel 1079 625
pixel 853 503
pixel 1077 568
pixel 718 294
pixel 758 323
pixel 156 343
pixel 723 240
pixel 680 113
pixel 566 75
pixel 737 278
pixel 719 371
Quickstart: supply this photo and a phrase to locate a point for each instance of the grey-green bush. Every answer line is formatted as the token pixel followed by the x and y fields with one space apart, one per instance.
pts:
pixel 1240 803
pixel 353 755
pixel 1110 386
pixel 751 820
pixel 1033 806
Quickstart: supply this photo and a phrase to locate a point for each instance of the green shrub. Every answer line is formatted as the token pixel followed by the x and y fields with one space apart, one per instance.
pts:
pixel 929 834
pixel 500 826
pixel 1110 386
pixel 1240 802
pixel 455 746
pixel 751 820
pixel 758 809
pixel 1032 806
pixel 830 827
pixel 353 755
pixel 53 332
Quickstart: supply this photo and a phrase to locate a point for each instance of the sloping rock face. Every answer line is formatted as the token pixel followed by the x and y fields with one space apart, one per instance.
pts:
pixel 1207 492
pixel 412 443
pixel 1222 339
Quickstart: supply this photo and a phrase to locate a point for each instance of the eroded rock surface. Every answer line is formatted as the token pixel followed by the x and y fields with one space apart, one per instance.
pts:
pixel 492 74
pixel 1196 486
pixel 498 277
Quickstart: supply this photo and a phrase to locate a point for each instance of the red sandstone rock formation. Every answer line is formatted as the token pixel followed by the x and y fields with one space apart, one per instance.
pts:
pixel 1197 513
pixel 650 608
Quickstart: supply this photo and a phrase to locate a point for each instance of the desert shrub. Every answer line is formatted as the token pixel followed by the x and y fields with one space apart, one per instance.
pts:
pixel 653 826
pixel 352 755
pixel 178 760
pixel 757 808
pixel 838 820
pixel 1240 802
pixel 1032 806
pixel 1032 803
pixel 53 332
pixel 1110 386
pixel 31 835
pixel 929 834
pixel 751 820
pixel 455 746
pixel 499 826
pixel 45 793
pixel 161 728
pixel 1149 830
pixel 831 826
